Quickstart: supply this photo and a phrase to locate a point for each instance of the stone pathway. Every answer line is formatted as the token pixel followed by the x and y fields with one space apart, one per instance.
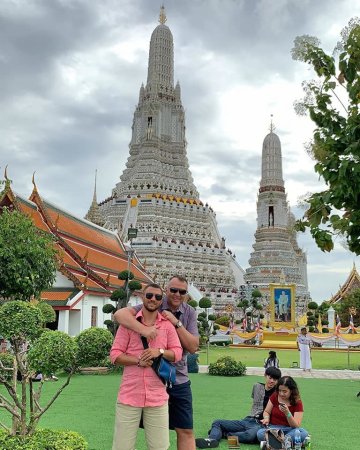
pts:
pixel 299 373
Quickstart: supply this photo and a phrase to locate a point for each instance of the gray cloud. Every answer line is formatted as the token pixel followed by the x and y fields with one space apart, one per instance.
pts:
pixel 70 81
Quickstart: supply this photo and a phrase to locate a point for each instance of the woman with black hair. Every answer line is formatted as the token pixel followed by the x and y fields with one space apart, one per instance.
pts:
pixel 284 411
pixel 272 360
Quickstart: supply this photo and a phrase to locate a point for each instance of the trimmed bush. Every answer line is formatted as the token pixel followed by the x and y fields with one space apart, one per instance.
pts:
pixel 44 439
pixel 108 309
pixel 54 350
pixel 94 345
pixel 223 320
pixel 227 367
pixel 20 320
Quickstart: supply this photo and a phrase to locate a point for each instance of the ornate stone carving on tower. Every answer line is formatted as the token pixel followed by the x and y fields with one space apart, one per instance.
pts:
pixel 156 194
pixel 277 257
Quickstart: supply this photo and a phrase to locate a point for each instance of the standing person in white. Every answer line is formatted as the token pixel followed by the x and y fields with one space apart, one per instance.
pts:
pixel 304 347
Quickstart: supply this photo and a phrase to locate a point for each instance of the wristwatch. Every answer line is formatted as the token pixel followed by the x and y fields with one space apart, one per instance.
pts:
pixel 161 350
pixel 178 324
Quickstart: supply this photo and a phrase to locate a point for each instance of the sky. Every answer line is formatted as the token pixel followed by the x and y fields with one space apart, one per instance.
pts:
pixel 70 73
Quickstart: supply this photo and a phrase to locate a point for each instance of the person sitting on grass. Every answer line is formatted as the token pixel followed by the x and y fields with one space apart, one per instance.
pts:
pixel 247 428
pixel 284 411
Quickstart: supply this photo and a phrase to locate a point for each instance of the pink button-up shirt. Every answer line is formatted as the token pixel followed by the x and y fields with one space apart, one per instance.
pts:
pixel 141 386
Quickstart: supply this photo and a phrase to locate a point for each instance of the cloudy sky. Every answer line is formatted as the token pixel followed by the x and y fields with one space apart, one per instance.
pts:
pixel 70 73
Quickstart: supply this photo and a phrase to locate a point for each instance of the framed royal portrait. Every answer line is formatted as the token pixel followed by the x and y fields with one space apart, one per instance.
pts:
pixel 282 305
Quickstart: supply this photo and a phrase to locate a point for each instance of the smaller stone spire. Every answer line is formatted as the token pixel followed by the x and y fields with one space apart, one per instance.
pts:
pixel 162 16
pixel 94 215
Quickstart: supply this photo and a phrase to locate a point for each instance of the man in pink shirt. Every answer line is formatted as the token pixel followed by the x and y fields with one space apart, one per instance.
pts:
pixel 141 391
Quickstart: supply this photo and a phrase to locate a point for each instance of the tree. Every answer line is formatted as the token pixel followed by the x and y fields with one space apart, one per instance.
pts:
pixel 120 297
pixel 252 308
pixel 33 350
pixel 349 303
pixel 206 324
pixel 28 258
pixel 333 105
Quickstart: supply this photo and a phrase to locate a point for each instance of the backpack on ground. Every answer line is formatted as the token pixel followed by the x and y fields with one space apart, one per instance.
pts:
pixel 276 440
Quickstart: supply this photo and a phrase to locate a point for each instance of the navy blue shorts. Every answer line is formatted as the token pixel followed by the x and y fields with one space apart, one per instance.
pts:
pixel 180 406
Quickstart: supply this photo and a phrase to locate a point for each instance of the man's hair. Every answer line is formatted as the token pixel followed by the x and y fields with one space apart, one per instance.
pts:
pixel 180 278
pixel 152 285
pixel 303 328
pixel 273 372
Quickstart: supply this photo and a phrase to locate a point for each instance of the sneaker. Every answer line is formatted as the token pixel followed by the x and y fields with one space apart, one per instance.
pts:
pixel 262 445
pixel 206 443
pixel 307 442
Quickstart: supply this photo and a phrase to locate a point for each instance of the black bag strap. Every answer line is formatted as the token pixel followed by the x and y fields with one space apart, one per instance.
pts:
pixel 143 338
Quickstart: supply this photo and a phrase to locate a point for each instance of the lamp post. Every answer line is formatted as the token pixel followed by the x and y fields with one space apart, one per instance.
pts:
pixel 132 233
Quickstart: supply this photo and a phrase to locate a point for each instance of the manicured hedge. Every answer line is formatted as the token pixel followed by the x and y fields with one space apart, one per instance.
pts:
pixel 44 439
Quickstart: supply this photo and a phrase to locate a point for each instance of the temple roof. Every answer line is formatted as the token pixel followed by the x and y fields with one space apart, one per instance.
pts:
pixel 352 283
pixel 91 256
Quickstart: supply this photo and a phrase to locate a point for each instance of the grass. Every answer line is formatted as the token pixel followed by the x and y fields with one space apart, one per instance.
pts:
pixel 254 357
pixel 88 404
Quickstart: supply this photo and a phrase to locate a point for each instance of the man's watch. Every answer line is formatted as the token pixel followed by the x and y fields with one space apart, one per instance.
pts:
pixel 178 324
pixel 161 350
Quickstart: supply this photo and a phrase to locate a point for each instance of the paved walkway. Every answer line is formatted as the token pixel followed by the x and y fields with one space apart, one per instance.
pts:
pixel 299 373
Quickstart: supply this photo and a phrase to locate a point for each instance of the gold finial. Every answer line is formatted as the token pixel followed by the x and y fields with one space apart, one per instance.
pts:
pixel 272 126
pixel 162 16
pixel 33 181
pixel 5 173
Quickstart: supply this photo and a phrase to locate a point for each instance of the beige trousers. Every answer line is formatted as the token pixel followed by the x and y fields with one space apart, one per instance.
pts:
pixel 156 427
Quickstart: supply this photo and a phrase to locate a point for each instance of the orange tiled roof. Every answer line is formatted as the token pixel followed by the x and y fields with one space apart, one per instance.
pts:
pixel 91 256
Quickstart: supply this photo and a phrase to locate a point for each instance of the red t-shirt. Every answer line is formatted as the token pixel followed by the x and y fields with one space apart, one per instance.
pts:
pixel 277 416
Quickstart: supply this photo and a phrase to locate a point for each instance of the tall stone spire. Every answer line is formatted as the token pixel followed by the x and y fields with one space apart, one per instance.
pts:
pixel 277 257
pixel 94 214
pixel 177 232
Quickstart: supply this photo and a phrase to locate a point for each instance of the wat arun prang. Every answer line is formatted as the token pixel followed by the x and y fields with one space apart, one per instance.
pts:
pixel 176 232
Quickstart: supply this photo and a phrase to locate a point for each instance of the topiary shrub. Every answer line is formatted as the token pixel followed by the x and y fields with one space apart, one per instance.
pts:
pixel 227 367
pixel 223 320
pixel 94 345
pixel 53 351
pixel 44 439
pixel 108 309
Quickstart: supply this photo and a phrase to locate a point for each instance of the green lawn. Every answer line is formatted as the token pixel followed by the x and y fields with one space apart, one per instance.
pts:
pixel 254 357
pixel 87 406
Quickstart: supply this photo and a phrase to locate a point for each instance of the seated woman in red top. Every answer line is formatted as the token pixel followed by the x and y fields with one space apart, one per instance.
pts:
pixel 284 410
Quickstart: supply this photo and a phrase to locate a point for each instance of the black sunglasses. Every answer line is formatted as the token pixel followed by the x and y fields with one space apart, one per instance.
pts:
pixel 150 295
pixel 176 290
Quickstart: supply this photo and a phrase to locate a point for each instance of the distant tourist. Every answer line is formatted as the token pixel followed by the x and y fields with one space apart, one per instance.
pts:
pixel 272 360
pixel 284 411
pixel 304 347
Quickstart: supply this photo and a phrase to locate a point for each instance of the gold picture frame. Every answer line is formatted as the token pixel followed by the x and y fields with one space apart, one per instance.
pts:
pixel 282 305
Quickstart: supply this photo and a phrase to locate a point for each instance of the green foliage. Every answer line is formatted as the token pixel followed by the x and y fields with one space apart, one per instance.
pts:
pixel 193 303
pixel 20 321
pixel 47 312
pixel 212 317
pixel 336 140
pixel 227 367
pixel 93 346
pixel 325 330
pixel 125 275
pixel 6 362
pixel 256 293
pixel 313 305
pixel 44 440
pixel 134 285
pixel 223 320
pixel 350 301
pixel 53 351
pixel 28 259
pixel 117 295
pixel 108 309
pixel 205 303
